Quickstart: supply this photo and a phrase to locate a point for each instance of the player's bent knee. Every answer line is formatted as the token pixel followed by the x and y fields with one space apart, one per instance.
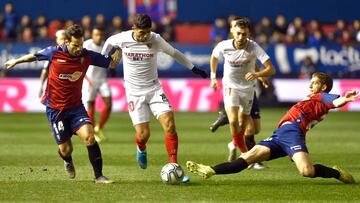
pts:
pixel 89 140
pixel 171 129
pixel 65 150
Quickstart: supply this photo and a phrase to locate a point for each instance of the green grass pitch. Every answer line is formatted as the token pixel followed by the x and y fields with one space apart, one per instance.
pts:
pixel 31 171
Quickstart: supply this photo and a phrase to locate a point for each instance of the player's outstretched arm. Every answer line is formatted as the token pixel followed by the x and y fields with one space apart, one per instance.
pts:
pixel 26 58
pixel 349 96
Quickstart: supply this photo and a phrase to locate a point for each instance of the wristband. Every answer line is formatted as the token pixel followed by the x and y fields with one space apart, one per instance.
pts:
pixel 212 75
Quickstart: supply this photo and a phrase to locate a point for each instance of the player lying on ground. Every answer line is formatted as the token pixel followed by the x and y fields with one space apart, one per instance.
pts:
pixel 289 137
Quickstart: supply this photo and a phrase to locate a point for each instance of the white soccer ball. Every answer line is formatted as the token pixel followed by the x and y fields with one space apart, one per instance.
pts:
pixel 172 174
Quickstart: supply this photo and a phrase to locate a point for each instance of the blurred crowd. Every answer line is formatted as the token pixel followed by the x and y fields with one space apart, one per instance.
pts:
pixel 21 28
pixel 17 28
pixel 295 31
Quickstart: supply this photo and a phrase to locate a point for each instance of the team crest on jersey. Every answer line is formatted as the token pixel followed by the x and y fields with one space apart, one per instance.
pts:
pixel 71 77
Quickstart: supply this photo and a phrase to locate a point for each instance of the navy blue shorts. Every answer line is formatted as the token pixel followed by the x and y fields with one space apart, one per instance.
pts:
pixel 65 123
pixel 255 108
pixel 286 140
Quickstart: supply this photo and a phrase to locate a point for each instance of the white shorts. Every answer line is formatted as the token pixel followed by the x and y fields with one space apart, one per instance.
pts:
pixel 101 87
pixel 239 97
pixel 140 106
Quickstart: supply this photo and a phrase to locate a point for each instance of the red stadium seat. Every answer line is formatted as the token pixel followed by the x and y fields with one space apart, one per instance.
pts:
pixel 193 33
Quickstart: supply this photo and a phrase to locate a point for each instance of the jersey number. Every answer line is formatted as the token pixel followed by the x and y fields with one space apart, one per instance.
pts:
pixel 131 106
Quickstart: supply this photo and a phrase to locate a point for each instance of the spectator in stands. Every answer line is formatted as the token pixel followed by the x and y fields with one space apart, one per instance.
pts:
pixel 10 22
pixel 41 29
pixel 219 30
pixel 316 38
pixel 277 38
pixel 340 28
pixel 68 23
pixel 86 24
pixel 307 68
pixel 100 20
pixel 312 26
pixel 295 27
pixel 264 27
pixel 345 39
pixel 281 24
pixel 116 26
pixel 355 30
pixel 54 26
pixel 155 27
pixel 42 35
pixel 167 30
pixel 25 30
pixel 301 38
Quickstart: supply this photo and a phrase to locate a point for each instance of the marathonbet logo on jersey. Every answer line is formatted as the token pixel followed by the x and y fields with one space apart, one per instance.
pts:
pixel 71 77
pixel 139 56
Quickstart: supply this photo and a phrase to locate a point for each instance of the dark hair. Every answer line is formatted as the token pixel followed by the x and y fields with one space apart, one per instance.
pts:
pixel 325 79
pixel 99 27
pixel 142 21
pixel 75 31
pixel 242 22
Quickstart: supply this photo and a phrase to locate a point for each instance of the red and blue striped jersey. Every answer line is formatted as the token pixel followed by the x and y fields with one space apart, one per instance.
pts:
pixel 310 111
pixel 66 75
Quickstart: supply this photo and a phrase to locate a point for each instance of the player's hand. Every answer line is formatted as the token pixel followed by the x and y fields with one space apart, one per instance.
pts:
pixel 200 72
pixel 250 76
pixel 214 83
pixel 10 63
pixel 351 95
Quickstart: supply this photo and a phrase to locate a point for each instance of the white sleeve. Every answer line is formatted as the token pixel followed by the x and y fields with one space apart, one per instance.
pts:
pixel 217 51
pixel 108 45
pixel 176 54
pixel 261 55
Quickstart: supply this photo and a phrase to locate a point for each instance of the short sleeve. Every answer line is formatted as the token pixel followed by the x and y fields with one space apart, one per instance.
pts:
pixel 260 53
pixel 329 98
pixel 217 51
pixel 46 54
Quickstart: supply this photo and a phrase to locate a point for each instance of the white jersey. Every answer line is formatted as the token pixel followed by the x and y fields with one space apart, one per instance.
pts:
pixel 238 62
pixel 95 73
pixel 140 59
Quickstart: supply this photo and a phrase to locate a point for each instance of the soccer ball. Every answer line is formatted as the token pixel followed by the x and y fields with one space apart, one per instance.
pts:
pixel 172 174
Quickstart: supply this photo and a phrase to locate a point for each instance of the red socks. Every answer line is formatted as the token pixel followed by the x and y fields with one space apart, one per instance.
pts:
pixel 171 142
pixel 239 141
pixel 105 113
pixel 91 116
pixel 141 145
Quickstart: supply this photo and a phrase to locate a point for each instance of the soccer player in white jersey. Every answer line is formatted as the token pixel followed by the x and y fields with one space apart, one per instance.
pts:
pixel 240 55
pixel 144 92
pixel 98 83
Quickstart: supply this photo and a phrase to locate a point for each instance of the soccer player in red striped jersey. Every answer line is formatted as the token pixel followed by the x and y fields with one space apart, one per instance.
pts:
pixel 289 137
pixel 62 98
